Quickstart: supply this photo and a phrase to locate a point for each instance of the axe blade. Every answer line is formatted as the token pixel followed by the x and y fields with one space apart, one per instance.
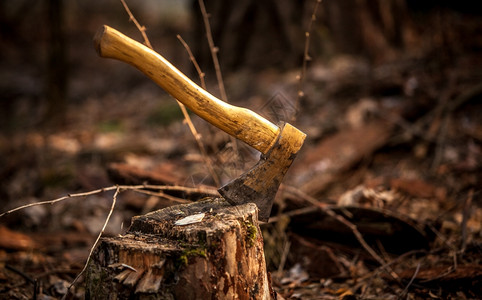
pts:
pixel 260 184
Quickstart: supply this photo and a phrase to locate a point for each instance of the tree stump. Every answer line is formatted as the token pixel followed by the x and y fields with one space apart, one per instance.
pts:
pixel 203 250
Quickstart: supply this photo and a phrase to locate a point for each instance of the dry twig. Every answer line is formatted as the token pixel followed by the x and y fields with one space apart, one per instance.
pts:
pixel 214 51
pixel 114 200
pixel 405 291
pixel 58 200
pixel 306 58
pixel 197 136
pixel 194 61
pixel 465 217
pixel 187 118
pixel 137 188
pixel 217 67
pixel 344 221
pixel 284 257
pixel 142 29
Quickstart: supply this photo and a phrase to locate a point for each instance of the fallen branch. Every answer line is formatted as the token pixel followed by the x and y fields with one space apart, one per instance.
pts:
pixel 137 188
pixel 326 208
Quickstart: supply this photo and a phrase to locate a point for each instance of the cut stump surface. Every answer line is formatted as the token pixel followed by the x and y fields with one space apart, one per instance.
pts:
pixel 217 254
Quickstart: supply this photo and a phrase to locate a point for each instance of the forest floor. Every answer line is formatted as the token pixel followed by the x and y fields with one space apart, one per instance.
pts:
pixel 383 201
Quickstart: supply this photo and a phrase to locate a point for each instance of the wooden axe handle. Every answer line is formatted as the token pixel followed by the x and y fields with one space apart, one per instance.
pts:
pixel 239 122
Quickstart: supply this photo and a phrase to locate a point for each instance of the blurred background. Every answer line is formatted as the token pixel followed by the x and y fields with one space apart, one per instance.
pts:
pixel 392 102
pixel 48 62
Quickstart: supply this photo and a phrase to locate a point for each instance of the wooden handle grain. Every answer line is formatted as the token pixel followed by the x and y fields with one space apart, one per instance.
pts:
pixel 239 122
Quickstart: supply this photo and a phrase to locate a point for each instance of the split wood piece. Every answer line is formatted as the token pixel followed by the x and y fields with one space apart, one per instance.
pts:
pixel 218 254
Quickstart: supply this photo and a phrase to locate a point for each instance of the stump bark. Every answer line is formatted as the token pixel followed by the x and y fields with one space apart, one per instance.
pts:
pixel 203 250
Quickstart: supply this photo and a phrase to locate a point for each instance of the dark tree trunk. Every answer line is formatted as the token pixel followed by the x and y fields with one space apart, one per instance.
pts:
pixel 56 85
pixel 251 34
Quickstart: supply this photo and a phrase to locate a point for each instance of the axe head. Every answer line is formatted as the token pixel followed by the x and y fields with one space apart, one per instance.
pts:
pixel 260 184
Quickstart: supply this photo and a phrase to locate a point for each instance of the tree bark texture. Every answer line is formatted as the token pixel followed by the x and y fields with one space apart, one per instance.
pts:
pixel 218 257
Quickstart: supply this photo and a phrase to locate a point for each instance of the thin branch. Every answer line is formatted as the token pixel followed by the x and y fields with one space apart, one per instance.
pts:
pixel 199 190
pixel 306 58
pixel 58 200
pixel 142 29
pixel 197 137
pixel 465 217
pixel 449 270
pixel 392 262
pixel 344 221
pixel 33 281
pixel 217 67
pixel 214 51
pixel 114 200
pixel 405 291
pixel 284 256
pixel 211 191
pixel 207 160
pixel 194 61
pixel 187 118
pixel 163 195
pixel 440 143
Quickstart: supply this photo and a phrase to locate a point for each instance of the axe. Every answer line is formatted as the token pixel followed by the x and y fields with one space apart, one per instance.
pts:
pixel 278 144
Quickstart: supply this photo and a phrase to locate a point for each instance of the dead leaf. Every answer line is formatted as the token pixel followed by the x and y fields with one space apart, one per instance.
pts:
pixel 14 240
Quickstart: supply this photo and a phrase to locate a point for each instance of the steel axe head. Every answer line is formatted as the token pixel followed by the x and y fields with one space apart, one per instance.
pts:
pixel 260 184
